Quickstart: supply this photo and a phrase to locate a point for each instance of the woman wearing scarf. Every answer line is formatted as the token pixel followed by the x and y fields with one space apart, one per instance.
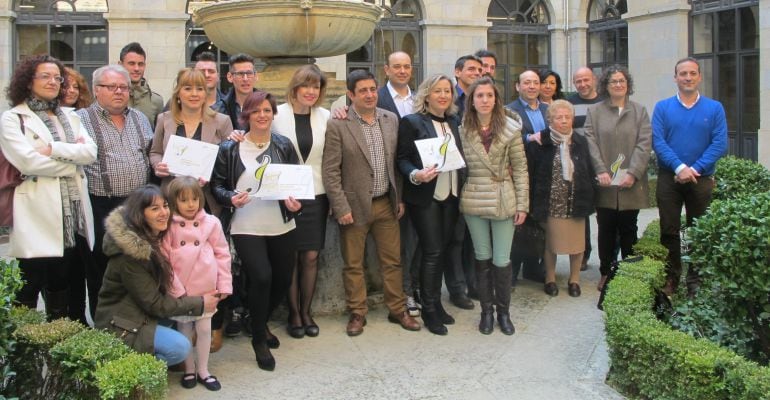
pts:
pixel 562 184
pixel 53 223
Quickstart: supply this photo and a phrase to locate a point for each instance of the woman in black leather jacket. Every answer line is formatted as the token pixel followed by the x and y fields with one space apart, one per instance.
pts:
pixel 262 230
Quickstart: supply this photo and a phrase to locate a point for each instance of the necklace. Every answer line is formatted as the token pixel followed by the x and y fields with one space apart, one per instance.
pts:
pixel 262 144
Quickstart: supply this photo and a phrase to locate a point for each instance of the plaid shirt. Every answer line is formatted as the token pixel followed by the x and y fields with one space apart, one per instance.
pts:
pixel 374 141
pixel 122 163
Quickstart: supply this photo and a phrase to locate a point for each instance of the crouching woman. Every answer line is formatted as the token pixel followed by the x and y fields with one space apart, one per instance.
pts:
pixel 134 293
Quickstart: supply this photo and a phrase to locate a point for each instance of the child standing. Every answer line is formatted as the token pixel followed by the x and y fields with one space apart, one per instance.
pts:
pixel 200 256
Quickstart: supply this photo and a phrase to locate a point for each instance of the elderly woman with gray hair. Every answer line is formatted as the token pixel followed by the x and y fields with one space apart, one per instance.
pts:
pixel 562 181
pixel 619 140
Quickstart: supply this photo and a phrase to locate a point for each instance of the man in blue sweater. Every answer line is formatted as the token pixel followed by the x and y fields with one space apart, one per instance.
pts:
pixel 689 133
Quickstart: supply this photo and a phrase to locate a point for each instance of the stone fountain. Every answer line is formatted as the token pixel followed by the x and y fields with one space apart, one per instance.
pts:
pixel 286 34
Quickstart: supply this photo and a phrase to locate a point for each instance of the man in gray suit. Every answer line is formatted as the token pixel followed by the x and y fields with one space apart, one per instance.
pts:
pixel 365 196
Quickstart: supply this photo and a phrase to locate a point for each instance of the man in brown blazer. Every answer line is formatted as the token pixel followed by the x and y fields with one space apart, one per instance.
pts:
pixel 364 191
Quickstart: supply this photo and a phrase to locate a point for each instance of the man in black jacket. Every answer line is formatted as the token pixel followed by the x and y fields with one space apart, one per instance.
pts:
pixel 243 75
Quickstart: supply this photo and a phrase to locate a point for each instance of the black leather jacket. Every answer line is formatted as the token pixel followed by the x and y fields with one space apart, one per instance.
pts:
pixel 229 167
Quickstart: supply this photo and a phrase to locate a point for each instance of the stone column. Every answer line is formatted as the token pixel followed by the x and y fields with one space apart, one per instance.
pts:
pixel 657 38
pixel 763 136
pixel 6 50
pixel 160 27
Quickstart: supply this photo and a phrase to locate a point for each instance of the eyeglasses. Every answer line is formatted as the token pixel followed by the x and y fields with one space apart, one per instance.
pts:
pixel 243 74
pixel 47 77
pixel 114 88
pixel 618 82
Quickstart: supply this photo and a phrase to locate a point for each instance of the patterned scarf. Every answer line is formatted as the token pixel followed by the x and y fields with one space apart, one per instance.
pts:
pixel 70 195
pixel 564 141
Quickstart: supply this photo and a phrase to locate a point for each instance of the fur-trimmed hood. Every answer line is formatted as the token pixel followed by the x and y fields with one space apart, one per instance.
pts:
pixel 121 239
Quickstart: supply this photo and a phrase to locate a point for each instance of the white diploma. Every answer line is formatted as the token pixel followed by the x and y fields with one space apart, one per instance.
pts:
pixel 440 152
pixel 189 157
pixel 281 181
pixel 618 174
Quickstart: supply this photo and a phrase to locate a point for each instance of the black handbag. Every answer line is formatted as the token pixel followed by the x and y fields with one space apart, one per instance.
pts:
pixel 529 238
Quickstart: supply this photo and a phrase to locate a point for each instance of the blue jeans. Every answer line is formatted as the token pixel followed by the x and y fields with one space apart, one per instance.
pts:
pixel 170 345
pixel 496 245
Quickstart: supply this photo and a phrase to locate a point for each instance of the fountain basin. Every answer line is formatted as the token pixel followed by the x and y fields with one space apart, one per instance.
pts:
pixel 289 28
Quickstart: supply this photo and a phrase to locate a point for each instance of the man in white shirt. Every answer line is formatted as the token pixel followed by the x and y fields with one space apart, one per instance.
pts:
pixel 396 96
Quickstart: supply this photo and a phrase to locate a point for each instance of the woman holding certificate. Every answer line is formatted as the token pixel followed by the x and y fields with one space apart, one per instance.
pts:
pixel 430 192
pixel 495 196
pixel 619 140
pixel 262 230
pixel 188 117
pixel 303 121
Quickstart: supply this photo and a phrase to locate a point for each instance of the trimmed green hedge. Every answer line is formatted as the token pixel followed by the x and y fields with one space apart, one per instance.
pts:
pixel 652 361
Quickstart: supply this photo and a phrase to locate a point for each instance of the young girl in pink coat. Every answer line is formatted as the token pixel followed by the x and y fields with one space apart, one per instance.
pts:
pixel 200 256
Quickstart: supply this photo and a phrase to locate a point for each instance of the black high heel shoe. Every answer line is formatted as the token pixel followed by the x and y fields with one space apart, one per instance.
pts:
pixel 265 359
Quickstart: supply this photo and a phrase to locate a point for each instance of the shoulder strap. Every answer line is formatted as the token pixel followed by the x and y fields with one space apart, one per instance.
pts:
pixel 98 134
pixel 21 123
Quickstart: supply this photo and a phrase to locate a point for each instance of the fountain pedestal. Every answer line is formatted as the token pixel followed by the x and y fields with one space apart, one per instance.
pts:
pixel 287 34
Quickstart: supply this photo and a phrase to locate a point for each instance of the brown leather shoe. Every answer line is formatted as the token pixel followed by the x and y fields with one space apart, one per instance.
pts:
pixel 405 321
pixel 356 324
pixel 216 340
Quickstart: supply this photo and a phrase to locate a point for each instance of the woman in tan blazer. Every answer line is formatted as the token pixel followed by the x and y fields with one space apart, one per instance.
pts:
pixel 189 117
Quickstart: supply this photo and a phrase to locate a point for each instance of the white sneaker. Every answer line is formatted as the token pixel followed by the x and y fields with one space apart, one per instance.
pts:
pixel 412 307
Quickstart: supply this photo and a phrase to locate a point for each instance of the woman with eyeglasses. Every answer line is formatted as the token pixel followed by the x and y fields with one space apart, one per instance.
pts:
pixel 53 227
pixel 619 140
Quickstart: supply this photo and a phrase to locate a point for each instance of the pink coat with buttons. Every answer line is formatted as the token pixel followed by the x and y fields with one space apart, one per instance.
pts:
pixel 199 255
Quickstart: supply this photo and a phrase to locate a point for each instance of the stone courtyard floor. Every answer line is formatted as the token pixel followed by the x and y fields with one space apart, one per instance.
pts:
pixel 558 352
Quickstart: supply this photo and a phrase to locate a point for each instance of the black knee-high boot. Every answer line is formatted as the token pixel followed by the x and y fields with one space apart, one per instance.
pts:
pixel 502 279
pixel 485 290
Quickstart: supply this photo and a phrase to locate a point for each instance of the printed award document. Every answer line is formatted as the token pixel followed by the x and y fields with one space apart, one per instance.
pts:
pixel 441 152
pixel 618 174
pixel 280 181
pixel 188 157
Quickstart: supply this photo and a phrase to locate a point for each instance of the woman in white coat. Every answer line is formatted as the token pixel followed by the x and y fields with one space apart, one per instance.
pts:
pixel 303 121
pixel 52 218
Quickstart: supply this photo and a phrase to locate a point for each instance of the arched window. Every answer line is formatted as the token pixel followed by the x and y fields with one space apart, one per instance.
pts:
pixel 399 29
pixel 197 42
pixel 73 31
pixel 607 34
pixel 724 37
pixel 519 37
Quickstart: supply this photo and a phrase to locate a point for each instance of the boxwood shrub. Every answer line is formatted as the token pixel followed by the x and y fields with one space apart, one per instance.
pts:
pixel 136 376
pixel 649 360
pixel 731 244
pixel 736 177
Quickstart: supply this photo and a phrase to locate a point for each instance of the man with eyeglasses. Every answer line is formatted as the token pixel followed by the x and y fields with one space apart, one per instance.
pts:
pixel 243 76
pixel 134 59
pixel 122 135
pixel 585 84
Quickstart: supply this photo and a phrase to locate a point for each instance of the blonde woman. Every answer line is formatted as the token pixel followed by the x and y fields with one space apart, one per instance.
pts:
pixel 431 196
